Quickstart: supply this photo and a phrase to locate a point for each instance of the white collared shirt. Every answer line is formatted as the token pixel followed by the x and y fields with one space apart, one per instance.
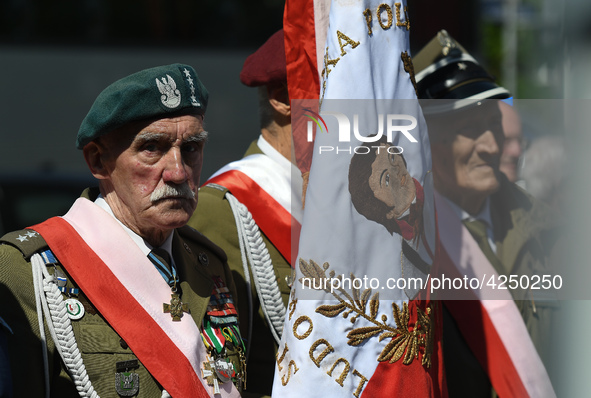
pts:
pixel 144 246
pixel 273 153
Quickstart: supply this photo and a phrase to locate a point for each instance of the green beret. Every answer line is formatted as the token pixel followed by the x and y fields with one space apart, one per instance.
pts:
pixel 157 92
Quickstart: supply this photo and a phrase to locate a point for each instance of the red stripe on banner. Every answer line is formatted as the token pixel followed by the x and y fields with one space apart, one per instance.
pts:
pixel 415 380
pixel 300 49
pixel 302 71
pixel 163 360
pixel 296 229
pixel 271 217
pixel 483 339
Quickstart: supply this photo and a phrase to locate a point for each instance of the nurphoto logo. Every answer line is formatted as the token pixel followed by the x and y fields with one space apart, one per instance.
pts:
pixel 392 123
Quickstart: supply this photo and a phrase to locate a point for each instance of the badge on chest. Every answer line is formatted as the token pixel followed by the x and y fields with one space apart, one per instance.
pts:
pixel 127 383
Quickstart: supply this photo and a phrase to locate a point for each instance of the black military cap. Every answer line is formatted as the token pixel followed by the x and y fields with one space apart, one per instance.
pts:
pixel 446 71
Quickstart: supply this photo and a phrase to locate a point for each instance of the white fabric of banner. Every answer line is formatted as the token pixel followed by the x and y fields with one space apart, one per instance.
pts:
pixel 369 67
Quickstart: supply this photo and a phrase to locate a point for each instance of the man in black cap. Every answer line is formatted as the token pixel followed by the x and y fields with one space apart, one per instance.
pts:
pixel 118 297
pixel 515 233
pixel 247 209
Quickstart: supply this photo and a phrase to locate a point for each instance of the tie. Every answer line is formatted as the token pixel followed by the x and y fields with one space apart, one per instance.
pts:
pixel 477 229
pixel 161 260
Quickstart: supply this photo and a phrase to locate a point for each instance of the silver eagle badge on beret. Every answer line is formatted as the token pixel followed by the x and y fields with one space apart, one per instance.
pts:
pixel 171 96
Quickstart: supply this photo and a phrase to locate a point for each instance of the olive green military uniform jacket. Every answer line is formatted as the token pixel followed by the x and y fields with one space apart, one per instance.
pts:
pixel 214 218
pixel 527 243
pixel 100 346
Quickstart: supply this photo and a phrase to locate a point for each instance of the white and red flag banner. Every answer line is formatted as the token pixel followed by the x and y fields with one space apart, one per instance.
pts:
pixel 359 321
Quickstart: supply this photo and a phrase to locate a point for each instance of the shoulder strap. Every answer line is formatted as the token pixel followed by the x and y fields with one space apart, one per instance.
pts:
pixel 50 305
pixel 27 241
pixel 220 188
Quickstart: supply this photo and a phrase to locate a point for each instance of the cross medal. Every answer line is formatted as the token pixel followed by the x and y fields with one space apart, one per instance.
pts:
pixel 161 261
pixel 176 307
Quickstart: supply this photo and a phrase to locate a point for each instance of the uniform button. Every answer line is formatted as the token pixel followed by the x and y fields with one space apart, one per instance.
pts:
pixel 187 248
pixel 123 344
pixel 203 259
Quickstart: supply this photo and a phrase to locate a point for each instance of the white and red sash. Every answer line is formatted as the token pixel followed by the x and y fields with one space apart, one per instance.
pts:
pixel 128 291
pixel 493 329
pixel 264 187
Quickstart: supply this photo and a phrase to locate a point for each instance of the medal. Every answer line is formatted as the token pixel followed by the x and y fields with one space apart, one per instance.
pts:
pixel 161 260
pixel 224 370
pixel 61 280
pixel 127 383
pixel 60 277
pixel 176 307
pixel 216 372
pixel 221 337
pixel 74 308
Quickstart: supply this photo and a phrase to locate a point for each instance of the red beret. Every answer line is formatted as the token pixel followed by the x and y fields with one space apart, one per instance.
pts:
pixel 267 64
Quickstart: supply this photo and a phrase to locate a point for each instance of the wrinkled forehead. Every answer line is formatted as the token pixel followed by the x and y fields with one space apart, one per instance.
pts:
pixel 124 136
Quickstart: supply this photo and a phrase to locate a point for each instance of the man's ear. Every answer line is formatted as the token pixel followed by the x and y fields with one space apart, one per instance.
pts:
pixel 93 154
pixel 279 100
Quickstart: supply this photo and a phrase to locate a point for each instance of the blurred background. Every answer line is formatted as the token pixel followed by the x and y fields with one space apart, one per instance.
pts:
pixel 56 57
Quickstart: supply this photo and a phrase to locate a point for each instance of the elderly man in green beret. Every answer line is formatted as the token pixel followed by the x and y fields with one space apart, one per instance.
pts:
pixel 118 297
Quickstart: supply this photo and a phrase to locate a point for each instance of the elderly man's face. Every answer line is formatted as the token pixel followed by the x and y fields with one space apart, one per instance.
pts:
pixel 466 150
pixel 391 183
pixel 151 173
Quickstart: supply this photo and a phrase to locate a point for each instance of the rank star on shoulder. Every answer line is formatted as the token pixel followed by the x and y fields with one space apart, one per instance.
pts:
pixel 31 234
pixel 22 238
pixel 187 73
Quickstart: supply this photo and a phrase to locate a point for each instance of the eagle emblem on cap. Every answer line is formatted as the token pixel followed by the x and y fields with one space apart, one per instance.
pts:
pixel 171 96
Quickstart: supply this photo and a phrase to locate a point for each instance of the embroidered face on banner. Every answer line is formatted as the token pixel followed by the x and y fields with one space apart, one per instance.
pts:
pixel 390 181
pixel 382 189
pixel 150 172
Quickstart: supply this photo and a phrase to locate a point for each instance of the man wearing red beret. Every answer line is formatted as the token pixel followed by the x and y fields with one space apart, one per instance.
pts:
pixel 258 188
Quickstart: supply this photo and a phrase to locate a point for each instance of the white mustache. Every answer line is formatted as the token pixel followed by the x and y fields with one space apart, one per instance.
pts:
pixel 171 191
